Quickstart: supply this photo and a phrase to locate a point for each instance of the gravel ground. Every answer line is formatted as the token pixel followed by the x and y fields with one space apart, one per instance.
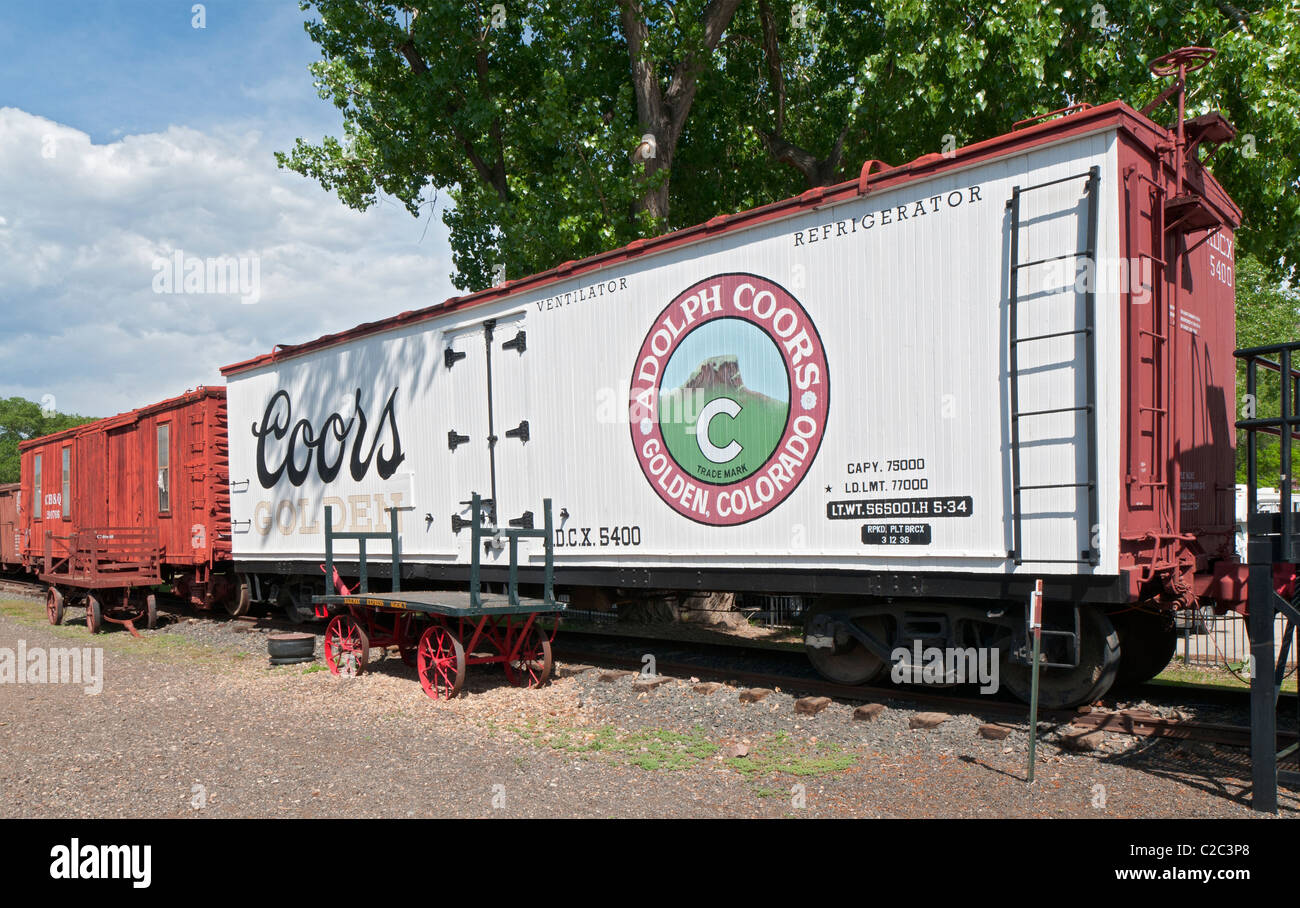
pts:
pixel 192 721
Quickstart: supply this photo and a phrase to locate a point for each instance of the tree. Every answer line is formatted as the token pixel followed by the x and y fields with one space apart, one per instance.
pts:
pixel 1266 314
pixel 657 32
pixel 21 419
pixel 818 88
pixel 527 114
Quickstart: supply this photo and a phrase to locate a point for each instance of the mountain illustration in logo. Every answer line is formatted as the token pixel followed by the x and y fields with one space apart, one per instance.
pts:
pixel 717 371
pixel 743 426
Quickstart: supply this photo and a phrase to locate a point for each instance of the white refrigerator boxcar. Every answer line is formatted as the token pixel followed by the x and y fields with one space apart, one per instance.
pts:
pixel 819 396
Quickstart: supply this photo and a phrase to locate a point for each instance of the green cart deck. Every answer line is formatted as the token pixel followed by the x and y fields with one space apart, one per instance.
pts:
pixel 453 603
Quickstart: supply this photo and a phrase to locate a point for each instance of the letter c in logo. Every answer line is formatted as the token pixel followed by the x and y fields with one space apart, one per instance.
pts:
pixel 714 408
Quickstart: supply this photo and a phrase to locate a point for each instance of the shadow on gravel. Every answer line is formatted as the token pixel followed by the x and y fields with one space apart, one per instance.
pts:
pixel 1219 771
pixel 478 678
pixel 975 761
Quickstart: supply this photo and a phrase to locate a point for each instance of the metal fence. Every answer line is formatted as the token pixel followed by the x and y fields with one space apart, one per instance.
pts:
pixel 771 611
pixel 1220 640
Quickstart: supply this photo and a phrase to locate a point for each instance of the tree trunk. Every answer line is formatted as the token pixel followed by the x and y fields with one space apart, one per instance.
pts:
pixel 816 171
pixel 662 114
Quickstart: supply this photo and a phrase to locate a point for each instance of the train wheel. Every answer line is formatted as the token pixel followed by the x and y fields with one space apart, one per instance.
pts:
pixel 239 597
pixel 94 614
pixel 533 665
pixel 151 611
pixel 54 605
pixel 347 648
pixel 1061 688
pixel 1147 642
pixel 849 662
pixel 440 660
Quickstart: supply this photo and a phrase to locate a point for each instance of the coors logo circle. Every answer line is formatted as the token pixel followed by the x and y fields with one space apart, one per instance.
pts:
pixel 729 399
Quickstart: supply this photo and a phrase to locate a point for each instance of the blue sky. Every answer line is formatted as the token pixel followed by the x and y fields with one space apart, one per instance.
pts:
pixel 128 138
pixel 116 68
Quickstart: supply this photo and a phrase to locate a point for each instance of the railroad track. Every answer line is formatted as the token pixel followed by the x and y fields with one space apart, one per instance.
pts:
pixel 34 589
pixel 800 668
pixel 1135 722
pixel 30 589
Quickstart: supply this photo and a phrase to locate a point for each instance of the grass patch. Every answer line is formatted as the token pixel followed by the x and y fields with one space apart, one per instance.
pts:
pixel 160 646
pixel 1176 674
pixel 671 751
pixel 784 754
pixel 653 749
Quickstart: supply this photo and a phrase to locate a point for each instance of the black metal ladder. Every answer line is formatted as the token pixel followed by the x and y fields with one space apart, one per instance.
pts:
pixel 1090 554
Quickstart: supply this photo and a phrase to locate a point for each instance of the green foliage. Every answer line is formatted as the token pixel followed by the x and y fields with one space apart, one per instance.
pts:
pixel 649 749
pixel 22 419
pixel 1267 313
pixel 797 758
pixel 526 114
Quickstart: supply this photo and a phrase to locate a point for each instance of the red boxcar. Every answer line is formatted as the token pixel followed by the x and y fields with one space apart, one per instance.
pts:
pixel 10 557
pixel 114 507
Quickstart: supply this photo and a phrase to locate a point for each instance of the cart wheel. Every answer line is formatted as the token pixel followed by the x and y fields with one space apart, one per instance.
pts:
pixel 151 611
pixel 54 605
pixel 240 598
pixel 94 614
pixel 347 648
pixel 440 661
pixel 532 667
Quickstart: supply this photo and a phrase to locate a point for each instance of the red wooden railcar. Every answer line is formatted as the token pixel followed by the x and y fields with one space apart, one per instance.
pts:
pixel 10 557
pixel 115 507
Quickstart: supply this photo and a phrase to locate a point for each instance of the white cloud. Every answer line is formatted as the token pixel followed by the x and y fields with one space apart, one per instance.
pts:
pixel 81 226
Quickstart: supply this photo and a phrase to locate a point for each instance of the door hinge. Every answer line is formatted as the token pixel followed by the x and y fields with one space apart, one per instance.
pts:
pixel 520 342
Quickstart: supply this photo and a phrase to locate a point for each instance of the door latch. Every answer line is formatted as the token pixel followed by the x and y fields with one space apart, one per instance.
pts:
pixel 454 440
pixel 520 432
